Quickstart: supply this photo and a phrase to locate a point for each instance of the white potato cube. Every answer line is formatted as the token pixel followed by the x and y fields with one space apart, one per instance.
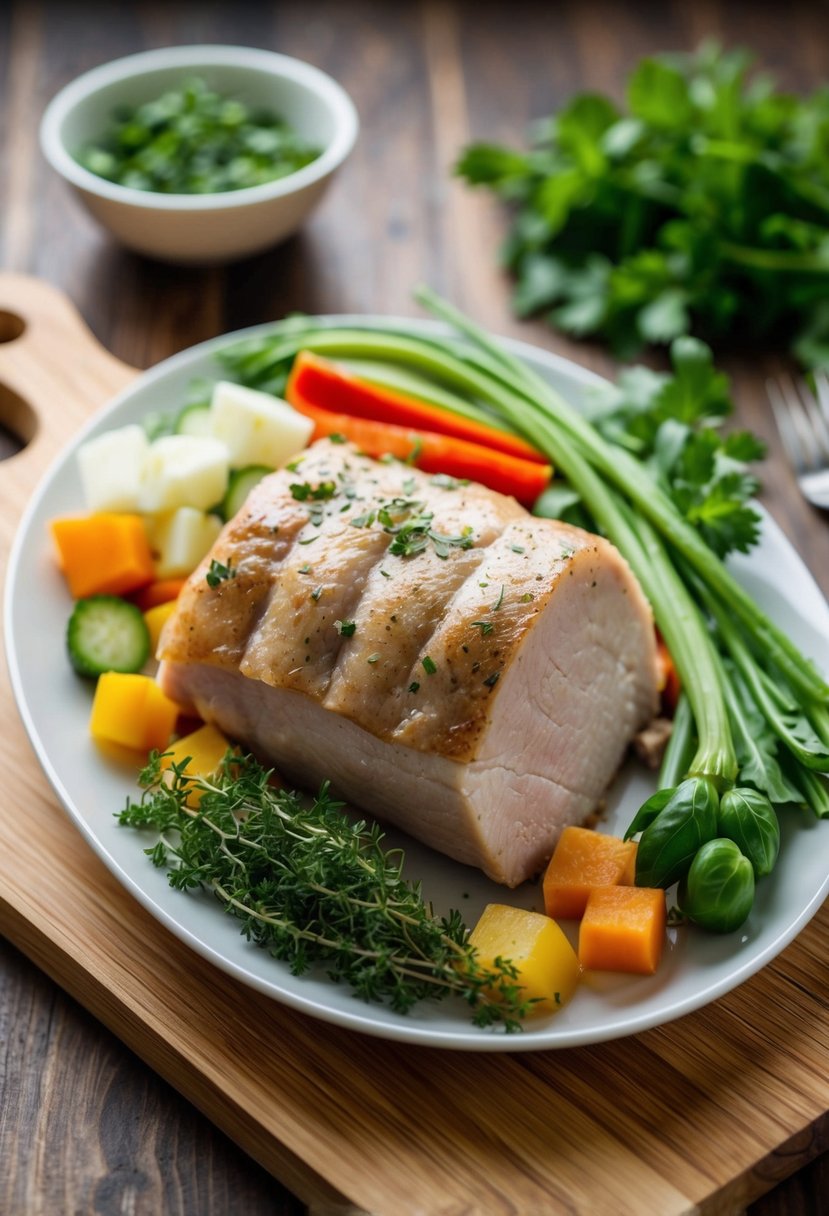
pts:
pixel 183 471
pixel 256 427
pixel 111 466
pixel 179 540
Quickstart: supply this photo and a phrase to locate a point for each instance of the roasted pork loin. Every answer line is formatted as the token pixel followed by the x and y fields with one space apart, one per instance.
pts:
pixel 450 663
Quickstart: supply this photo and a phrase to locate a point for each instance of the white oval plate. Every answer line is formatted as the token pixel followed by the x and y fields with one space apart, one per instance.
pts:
pixel 697 968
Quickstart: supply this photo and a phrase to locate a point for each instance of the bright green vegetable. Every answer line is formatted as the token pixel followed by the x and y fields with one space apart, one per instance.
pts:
pixel 192 140
pixel 718 891
pixel 240 484
pixel 107 633
pixel 669 843
pixel 702 208
pixel 193 419
pixel 747 817
pixel 651 472
pixel 315 889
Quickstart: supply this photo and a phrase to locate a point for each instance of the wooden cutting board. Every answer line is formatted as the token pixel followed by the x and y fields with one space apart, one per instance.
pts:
pixel 704 1114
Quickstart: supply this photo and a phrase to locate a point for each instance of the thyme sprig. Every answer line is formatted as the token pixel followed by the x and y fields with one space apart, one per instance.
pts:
pixel 315 889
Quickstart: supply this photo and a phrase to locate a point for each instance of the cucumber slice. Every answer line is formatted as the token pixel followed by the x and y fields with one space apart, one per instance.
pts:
pixel 106 633
pixel 193 420
pixel 240 485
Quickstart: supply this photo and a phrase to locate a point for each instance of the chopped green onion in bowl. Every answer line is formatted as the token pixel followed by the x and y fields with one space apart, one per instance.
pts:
pixel 193 140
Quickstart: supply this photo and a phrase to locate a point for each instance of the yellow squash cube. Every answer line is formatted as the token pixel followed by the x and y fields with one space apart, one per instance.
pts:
pixel 131 710
pixel 548 967
pixel 204 749
pixel 156 618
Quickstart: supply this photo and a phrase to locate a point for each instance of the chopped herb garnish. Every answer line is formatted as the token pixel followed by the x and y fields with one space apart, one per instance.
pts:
pixel 190 139
pixel 527 597
pixel 372 658
pixel 308 540
pixel 306 569
pixel 337 438
pixel 385 574
pixel 429 665
pixel 409 486
pixel 484 626
pixel 413 687
pixel 445 482
pixel 345 628
pixel 316 593
pixel 365 520
pixel 517 548
pixel 218 572
pixel 499 600
pixel 303 490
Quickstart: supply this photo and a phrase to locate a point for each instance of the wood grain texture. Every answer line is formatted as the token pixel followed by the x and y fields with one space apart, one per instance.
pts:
pixel 84 1127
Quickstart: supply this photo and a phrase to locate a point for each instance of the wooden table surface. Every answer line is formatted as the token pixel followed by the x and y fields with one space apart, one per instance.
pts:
pixel 84 1125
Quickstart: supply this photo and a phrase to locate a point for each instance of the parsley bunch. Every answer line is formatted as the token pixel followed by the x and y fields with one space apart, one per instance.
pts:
pixel 671 423
pixel 702 208
pixel 315 888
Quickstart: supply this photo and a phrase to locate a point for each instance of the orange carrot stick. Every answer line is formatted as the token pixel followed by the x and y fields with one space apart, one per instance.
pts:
pixel 433 453
pixel 323 383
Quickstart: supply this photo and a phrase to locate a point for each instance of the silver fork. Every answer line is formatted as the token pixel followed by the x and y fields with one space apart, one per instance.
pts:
pixel 802 419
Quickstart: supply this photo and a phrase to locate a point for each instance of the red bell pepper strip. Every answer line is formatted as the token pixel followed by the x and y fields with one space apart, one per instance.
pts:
pixel 323 383
pixel 433 453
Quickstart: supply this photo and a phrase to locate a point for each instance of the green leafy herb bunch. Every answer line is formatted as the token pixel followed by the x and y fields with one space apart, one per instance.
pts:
pixel 702 207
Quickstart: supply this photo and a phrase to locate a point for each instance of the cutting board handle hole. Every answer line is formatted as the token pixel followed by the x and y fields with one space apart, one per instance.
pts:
pixel 11 325
pixel 18 422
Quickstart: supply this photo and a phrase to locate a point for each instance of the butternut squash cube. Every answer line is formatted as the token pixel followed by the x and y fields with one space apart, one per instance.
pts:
pixel 205 747
pixel 131 710
pixel 156 618
pixel 583 860
pixel 623 929
pixel 548 967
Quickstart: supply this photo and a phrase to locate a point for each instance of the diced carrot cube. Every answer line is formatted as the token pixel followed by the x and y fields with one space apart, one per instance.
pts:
pixel 131 710
pixel 103 554
pixel 623 929
pixel 162 591
pixel 583 860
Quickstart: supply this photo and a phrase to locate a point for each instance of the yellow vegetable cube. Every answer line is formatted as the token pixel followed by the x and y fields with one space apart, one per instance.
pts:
pixel 131 710
pixel 204 749
pixel 548 967
pixel 156 618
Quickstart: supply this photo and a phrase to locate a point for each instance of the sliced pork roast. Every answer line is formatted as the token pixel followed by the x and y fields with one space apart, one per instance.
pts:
pixel 450 663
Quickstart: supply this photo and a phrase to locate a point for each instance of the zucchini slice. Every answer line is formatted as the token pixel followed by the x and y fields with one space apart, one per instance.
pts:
pixel 240 485
pixel 107 633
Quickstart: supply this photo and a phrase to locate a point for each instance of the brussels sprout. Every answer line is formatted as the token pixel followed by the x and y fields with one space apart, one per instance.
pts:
pixel 718 890
pixel 748 818
pixel 669 843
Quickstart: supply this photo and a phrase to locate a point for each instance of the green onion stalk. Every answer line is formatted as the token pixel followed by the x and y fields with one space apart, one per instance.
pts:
pixel 718 636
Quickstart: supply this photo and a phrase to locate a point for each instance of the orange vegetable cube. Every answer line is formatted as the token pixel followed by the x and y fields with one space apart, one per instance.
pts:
pixel 204 749
pixel 162 591
pixel 131 710
pixel 548 967
pixel 583 860
pixel 156 619
pixel 103 554
pixel 623 929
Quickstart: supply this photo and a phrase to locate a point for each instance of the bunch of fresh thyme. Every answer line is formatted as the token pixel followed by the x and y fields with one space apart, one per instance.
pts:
pixel 314 888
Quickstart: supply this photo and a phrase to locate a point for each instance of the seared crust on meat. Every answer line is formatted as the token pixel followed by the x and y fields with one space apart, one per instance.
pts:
pixel 438 618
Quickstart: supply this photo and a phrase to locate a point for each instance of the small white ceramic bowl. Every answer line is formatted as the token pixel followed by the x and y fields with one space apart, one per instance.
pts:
pixel 202 228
